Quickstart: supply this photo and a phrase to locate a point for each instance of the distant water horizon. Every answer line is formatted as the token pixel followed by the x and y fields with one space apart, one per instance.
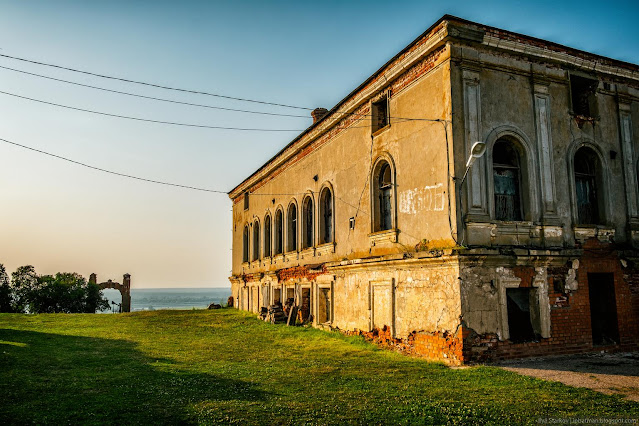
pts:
pixel 153 299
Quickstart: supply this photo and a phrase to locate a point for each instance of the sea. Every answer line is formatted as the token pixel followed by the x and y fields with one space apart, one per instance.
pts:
pixel 152 299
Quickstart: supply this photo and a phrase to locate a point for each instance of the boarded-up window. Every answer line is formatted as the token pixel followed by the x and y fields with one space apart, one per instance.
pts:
pixel 587 172
pixel 326 216
pixel 507 181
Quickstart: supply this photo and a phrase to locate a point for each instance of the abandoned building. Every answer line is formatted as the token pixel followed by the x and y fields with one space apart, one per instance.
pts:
pixel 475 199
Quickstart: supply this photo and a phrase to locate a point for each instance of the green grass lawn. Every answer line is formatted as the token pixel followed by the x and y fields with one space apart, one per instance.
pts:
pixel 226 366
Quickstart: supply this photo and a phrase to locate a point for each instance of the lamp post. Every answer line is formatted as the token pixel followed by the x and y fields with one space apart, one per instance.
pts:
pixel 476 151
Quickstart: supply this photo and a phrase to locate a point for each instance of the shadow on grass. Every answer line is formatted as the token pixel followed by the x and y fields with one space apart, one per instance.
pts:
pixel 618 364
pixel 52 378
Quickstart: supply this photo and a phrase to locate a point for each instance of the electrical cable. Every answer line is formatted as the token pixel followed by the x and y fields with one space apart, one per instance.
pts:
pixel 152 97
pixel 159 86
pixel 150 120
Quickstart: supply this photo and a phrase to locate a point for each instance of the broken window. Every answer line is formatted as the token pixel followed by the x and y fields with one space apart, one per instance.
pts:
pixel 587 175
pixel 324 300
pixel 379 116
pixel 603 309
pixel 292 228
pixel 245 244
pixel 382 197
pixel 267 236
pixel 523 314
pixel 326 216
pixel 506 180
pixel 246 200
pixel 256 241
pixel 279 232
pixel 583 95
pixel 307 221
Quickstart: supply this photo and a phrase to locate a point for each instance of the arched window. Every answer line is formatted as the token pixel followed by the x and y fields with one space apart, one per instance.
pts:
pixel 326 216
pixel 256 240
pixel 307 223
pixel 279 232
pixel 245 244
pixel 587 187
pixel 507 181
pixel 267 235
pixel 292 228
pixel 382 184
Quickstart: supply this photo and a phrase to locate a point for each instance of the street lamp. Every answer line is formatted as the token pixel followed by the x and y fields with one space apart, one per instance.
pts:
pixel 476 151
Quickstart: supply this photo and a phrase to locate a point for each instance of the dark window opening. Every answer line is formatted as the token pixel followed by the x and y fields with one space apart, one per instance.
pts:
pixel 290 294
pixel 277 296
pixel 586 176
pixel 292 228
pixel 506 178
pixel 256 241
pixel 603 309
pixel 326 216
pixel 380 118
pixel 305 306
pixel 385 186
pixel 245 245
pixel 307 213
pixel 324 305
pixel 279 232
pixel 246 200
pixel 583 95
pixel 267 236
pixel 520 314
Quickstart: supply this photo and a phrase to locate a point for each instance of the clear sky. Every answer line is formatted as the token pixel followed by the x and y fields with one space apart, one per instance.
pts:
pixel 62 217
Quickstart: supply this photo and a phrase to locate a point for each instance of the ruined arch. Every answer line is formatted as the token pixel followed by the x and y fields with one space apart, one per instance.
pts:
pixel 124 289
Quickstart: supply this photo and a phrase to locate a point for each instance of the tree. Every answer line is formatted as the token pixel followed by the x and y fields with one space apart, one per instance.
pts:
pixel 25 285
pixel 6 293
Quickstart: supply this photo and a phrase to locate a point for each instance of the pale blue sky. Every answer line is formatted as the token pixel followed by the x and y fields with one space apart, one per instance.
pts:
pixel 61 217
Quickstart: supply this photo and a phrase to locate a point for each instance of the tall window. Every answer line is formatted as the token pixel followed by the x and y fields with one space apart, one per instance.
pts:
pixel 587 175
pixel 279 232
pixel 292 228
pixel 379 114
pixel 267 236
pixel 326 216
pixel 256 240
pixel 382 197
pixel 245 244
pixel 507 181
pixel 307 223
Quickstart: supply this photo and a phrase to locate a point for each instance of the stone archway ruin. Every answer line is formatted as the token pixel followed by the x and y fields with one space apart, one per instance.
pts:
pixel 124 289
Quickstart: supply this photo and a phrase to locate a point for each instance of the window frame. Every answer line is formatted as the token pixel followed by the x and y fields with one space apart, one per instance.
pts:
pixel 327 188
pixel 292 246
pixel 384 159
pixel 256 241
pixel 305 244
pixel 268 235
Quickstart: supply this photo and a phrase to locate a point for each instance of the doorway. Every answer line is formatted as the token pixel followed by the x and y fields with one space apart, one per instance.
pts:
pixel 603 309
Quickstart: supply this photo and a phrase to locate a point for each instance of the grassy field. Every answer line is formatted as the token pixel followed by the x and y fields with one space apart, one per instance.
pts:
pixel 227 367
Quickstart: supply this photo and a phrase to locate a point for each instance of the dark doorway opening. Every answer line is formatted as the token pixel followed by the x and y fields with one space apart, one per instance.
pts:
pixel 520 324
pixel 323 305
pixel 603 309
pixel 305 306
pixel 277 296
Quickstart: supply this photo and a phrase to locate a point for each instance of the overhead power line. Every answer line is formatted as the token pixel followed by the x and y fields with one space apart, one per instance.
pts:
pixel 159 86
pixel 110 171
pixel 147 119
pixel 186 91
pixel 153 97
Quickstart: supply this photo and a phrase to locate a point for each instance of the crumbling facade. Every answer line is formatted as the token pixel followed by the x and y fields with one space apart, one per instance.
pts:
pixel 364 219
